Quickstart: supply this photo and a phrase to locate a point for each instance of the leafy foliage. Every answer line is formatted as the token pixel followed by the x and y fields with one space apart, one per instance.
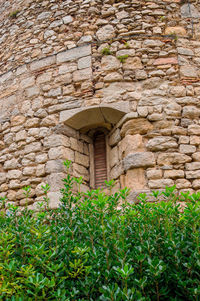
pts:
pixel 98 246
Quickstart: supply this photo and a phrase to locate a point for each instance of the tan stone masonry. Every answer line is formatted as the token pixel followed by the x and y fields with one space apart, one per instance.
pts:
pixel 69 68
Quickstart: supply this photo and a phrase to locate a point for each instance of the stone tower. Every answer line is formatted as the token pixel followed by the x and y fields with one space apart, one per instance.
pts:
pixel 111 85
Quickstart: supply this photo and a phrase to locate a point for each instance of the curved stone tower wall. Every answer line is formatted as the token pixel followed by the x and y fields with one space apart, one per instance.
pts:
pixel 61 57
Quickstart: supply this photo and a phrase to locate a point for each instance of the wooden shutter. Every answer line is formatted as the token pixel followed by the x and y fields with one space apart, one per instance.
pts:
pixel 100 164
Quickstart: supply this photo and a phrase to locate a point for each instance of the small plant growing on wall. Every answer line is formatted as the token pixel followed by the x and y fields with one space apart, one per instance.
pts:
pixel 106 51
pixel 14 14
pixel 122 58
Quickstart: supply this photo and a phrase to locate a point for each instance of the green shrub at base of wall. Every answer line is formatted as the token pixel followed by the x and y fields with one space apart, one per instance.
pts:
pixel 100 247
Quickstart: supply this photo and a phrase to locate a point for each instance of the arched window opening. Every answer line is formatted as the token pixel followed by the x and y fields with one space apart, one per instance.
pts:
pixel 100 160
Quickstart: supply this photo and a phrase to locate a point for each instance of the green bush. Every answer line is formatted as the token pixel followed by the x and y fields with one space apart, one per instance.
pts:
pixel 101 247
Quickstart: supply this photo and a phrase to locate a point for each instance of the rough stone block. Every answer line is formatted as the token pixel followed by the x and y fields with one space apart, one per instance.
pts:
pixel 154 174
pixel 73 54
pixel 193 174
pixel 135 179
pixel 83 74
pixel 161 143
pixel 132 63
pixel 84 62
pixel 159 184
pixel 192 166
pixel 54 166
pixel 106 32
pixel 194 129
pixel 81 159
pixel 110 63
pixel 115 137
pixel 2 177
pixel 166 61
pixel 172 158
pixel 11 164
pixel 48 61
pixel 176 30
pixel 76 145
pixel 187 149
pixel 130 144
pixel 174 174
pixel 191 112
pixel 29 171
pixel 196 184
pixel 114 156
pixel 136 126
pixel 116 171
pixel 135 160
pixel 61 152
pixel 14 174
pixel 56 140
pixel 32 147
pixel 188 71
pixel 182 184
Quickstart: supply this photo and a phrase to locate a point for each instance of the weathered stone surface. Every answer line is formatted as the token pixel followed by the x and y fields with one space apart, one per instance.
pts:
pixel 14 174
pixel 135 179
pixel 47 75
pixel 188 71
pixel 161 143
pixel 154 174
pixel 182 184
pixel 196 156
pixel 133 63
pixel 166 61
pixel 174 174
pixel 61 152
pixel 115 138
pixel 135 160
pixel 195 140
pixel 189 11
pixel 17 120
pixel 106 32
pixel 177 30
pixel 83 74
pixel 114 156
pixel 173 109
pixel 73 54
pixel 43 63
pixel 84 62
pixel 32 147
pixel 110 63
pixel 172 158
pixel 136 126
pixel 54 166
pixel 55 180
pixel 191 112
pixel 196 184
pixel 159 184
pixel 187 149
pixel 130 144
pixel 194 174
pixel 116 171
pixel 67 19
pixel 194 129
pixel 81 159
pixel 11 164
pixel 2 177
pixel 56 140
pixel 29 171
pixel 192 166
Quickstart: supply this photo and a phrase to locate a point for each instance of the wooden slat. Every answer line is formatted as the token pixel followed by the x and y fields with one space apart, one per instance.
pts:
pixel 100 164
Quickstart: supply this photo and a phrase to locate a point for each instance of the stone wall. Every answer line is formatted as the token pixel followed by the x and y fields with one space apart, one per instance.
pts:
pixel 61 57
